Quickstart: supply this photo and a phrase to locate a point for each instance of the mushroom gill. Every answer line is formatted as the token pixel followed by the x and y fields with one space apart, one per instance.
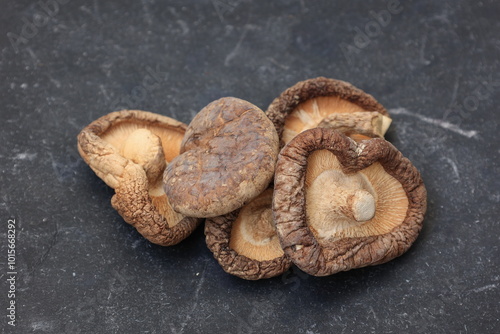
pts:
pixel 310 113
pixel 170 139
pixel 253 234
pixel 339 205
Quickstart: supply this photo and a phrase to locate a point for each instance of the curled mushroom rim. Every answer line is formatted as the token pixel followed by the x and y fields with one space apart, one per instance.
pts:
pixel 140 212
pixel 298 241
pixel 106 122
pixel 218 232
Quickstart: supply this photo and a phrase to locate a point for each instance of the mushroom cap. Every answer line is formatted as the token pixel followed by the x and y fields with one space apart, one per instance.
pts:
pixel 245 242
pixel 304 105
pixel 129 150
pixel 228 157
pixel 375 171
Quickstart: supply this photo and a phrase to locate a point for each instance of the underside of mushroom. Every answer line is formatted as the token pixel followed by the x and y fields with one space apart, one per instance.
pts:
pixel 254 234
pixel 129 150
pixel 359 204
pixel 323 102
pixel 339 204
pixel 245 242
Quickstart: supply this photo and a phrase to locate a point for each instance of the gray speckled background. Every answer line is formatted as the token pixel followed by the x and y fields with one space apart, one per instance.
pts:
pixel 81 268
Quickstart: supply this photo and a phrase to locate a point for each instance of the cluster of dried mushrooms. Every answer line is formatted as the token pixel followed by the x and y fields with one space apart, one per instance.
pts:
pixel 311 181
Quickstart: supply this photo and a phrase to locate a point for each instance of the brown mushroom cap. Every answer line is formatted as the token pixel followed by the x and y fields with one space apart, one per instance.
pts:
pixel 228 157
pixel 340 205
pixel 129 150
pixel 305 105
pixel 245 242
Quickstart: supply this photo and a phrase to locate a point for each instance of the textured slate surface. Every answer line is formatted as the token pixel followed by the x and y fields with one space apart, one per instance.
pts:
pixel 434 65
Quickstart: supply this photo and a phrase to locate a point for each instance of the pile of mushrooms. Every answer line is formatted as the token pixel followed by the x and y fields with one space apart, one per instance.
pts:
pixel 311 181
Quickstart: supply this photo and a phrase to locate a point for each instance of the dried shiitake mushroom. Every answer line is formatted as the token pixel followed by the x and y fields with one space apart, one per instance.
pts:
pixel 323 102
pixel 129 150
pixel 245 242
pixel 227 158
pixel 340 205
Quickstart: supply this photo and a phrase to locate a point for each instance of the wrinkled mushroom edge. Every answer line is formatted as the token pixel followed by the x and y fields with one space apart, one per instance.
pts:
pixel 218 232
pixel 289 205
pixel 138 210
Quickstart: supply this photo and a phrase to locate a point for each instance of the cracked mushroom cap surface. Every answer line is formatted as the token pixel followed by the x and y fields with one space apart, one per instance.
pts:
pixel 227 158
pixel 245 242
pixel 307 103
pixel 129 151
pixel 340 205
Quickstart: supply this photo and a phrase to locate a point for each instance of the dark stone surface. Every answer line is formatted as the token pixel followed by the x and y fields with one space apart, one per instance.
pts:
pixel 81 268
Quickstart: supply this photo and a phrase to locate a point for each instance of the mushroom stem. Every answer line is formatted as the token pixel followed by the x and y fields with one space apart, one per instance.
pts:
pixel 336 201
pixel 371 124
pixel 263 228
pixel 256 219
pixel 144 148
pixel 362 205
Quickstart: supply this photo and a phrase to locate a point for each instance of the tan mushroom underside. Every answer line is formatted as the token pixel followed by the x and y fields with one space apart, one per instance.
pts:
pixel 170 140
pixel 253 234
pixel 391 202
pixel 311 113
pixel 140 142
pixel 129 150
